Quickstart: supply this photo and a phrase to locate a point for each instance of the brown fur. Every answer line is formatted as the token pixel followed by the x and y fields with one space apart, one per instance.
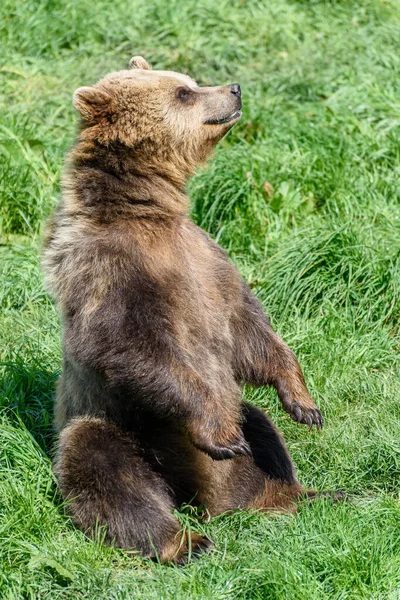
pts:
pixel 159 328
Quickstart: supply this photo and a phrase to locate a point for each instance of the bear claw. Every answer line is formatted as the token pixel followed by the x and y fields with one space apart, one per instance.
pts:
pixel 306 415
pixel 239 447
pixel 199 545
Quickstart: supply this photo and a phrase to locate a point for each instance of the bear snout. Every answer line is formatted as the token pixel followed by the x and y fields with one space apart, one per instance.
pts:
pixel 235 89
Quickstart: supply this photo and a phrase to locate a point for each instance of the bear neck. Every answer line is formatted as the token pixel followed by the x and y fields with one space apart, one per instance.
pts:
pixel 114 181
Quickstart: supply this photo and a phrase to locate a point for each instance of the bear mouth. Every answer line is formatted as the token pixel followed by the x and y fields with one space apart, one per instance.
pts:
pixel 232 117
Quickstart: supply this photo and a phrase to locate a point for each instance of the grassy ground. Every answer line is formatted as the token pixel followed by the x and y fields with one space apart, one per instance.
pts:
pixel 321 129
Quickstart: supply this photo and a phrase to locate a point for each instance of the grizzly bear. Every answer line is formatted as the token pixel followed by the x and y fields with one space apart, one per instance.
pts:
pixel 160 330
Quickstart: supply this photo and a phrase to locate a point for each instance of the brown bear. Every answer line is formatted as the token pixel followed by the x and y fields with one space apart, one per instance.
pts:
pixel 160 330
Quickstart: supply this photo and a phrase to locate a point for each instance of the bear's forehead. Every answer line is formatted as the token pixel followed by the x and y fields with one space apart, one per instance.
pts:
pixel 142 76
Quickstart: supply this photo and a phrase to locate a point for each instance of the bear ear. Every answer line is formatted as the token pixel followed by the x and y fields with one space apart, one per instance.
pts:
pixel 138 62
pixel 91 102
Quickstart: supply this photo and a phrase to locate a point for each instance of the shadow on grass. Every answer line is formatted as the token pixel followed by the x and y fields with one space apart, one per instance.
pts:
pixel 27 391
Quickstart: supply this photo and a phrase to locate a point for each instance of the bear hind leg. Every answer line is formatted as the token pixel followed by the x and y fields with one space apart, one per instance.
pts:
pixel 268 448
pixel 106 482
pixel 281 490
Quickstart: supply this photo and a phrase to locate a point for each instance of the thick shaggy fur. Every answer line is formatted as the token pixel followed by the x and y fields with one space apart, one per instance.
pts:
pixel 160 330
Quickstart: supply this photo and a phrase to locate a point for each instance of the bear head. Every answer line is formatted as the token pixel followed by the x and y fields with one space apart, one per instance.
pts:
pixel 162 116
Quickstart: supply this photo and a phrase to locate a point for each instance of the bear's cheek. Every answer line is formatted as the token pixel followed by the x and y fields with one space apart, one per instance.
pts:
pixel 133 127
pixel 181 124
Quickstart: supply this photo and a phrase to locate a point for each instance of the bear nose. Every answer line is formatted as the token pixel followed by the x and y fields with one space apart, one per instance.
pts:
pixel 235 89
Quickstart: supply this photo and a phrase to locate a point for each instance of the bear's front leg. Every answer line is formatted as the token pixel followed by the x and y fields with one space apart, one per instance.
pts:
pixel 211 416
pixel 262 358
pixel 217 435
pixel 283 371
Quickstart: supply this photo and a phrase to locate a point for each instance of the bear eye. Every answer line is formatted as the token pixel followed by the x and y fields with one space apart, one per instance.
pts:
pixel 183 94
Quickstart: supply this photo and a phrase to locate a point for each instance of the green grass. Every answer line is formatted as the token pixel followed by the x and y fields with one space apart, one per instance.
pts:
pixel 321 125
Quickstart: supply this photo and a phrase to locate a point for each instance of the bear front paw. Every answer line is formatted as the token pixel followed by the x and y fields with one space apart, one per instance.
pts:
pixel 309 415
pixel 221 449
